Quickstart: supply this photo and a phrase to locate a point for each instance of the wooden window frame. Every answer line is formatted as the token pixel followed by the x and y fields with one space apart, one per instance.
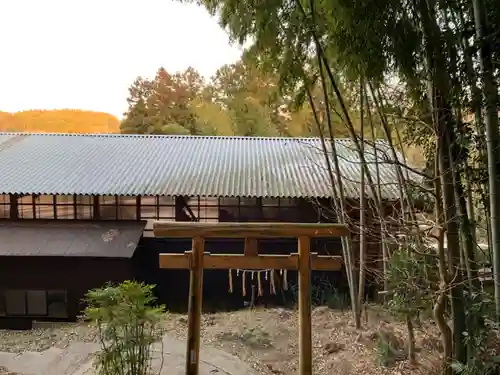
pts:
pixel 152 208
pixel 4 313
pixel 5 206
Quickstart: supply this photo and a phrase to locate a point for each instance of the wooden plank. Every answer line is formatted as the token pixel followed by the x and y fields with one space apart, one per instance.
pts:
pixel 231 261
pixel 175 261
pixel 243 230
pixel 326 262
pixel 277 262
pixel 305 329
pixel 194 309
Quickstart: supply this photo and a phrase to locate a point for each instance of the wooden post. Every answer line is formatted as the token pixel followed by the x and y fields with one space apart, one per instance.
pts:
pixel 305 335
pixel 194 309
pixel 251 247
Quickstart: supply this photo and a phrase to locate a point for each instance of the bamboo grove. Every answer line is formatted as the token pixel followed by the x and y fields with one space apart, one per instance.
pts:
pixel 423 73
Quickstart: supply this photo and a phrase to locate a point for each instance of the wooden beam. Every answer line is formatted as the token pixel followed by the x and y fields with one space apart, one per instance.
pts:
pixel 326 262
pixel 194 309
pixel 305 329
pixel 231 261
pixel 251 247
pixel 176 261
pixel 259 262
pixel 243 230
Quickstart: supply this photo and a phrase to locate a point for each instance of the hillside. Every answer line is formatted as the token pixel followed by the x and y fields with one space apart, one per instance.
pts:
pixel 59 121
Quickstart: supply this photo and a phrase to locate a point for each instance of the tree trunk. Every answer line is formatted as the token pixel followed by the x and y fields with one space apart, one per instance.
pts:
pixel 380 208
pixel 339 206
pixel 336 183
pixel 468 245
pixel 403 191
pixel 439 305
pixel 490 91
pixel 362 210
pixel 453 244
pixel 471 211
pixel 486 207
pixel 467 252
pixel 411 338
pixel 438 82
pixel 348 245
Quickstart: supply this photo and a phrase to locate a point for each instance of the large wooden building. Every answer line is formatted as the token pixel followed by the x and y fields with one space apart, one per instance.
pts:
pixel 76 211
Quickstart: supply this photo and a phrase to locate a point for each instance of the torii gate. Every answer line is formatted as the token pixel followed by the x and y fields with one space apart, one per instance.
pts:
pixel 197 259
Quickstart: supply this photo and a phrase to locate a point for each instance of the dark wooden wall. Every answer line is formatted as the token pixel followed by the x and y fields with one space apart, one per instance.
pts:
pixel 78 275
pixel 75 275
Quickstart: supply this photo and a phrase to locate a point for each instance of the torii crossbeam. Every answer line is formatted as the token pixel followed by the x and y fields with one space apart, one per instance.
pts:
pixel 197 259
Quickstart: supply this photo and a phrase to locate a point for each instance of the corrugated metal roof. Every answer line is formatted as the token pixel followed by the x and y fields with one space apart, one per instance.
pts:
pixel 178 165
pixel 99 240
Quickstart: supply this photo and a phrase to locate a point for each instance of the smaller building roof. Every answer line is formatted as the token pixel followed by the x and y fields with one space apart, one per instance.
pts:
pixel 70 239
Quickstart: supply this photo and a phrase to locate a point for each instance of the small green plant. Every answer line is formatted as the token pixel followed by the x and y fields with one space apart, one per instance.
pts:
pixel 324 293
pixel 128 326
pixel 484 358
pixel 255 337
pixel 476 368
pixel 411 274
pixel 387 351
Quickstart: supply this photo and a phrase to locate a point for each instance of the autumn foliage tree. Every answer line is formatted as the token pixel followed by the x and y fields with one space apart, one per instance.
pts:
pixel 243 98
pixel 240 99
pixel 59 121
pixel 164 105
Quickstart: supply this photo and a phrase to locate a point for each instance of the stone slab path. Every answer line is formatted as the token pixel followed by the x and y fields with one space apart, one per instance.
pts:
pixel 77 359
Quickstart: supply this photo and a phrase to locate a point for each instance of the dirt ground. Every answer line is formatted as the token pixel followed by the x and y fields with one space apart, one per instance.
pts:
pixel 267 339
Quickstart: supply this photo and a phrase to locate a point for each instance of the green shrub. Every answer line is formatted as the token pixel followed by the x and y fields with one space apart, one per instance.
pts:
pixel 128 325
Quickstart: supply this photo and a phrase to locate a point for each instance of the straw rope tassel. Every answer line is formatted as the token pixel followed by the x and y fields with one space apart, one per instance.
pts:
pixel 230 281
pixel 272 284
pixel 243 284
pixel 259 284
pixel 285 282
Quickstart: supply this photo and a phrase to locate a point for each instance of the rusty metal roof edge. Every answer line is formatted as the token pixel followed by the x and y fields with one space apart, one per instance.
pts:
pixel 192 196
pixel 174 136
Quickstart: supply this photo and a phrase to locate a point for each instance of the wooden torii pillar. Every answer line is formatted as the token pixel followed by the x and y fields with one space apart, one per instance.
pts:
pixel 197 259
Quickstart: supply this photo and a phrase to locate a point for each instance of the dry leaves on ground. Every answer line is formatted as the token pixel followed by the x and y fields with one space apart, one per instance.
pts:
pixel 268 339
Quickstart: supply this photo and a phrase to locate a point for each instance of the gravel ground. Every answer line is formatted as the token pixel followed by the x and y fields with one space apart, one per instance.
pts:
pixel 268 340
pixel 45 338
pixel 4 371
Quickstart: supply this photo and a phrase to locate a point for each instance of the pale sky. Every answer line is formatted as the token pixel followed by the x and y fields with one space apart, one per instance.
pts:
pixel 85 53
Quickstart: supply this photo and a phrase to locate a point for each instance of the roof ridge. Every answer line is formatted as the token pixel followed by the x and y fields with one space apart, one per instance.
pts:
pixel 119 135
